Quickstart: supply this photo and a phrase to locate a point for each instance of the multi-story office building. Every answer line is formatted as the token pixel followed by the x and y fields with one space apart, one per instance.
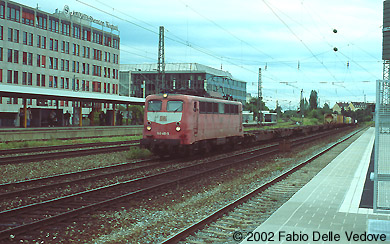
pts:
pixel 139 80
pixel 64 50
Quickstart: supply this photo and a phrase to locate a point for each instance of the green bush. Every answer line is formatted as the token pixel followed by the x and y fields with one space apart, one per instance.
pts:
pixel 137 153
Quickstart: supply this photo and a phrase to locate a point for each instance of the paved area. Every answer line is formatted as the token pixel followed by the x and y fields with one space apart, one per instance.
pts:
pixel 48 133
pixel 326 210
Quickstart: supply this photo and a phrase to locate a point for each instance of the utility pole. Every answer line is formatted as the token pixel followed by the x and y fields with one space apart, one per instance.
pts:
pixel 161 62
pixel 301 105
pixel 260 96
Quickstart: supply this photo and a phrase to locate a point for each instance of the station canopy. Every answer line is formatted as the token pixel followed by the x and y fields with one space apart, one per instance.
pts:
pixel 7 90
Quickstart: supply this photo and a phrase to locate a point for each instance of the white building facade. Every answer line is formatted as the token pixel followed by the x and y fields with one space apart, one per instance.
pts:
pixel 63 51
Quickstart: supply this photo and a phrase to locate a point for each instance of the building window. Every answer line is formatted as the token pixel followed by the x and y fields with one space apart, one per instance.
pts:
pixel 66 65
pixel 28 17
pixel 62 85
pixel 86 35
pixel 38 41
pixel 16 56
pixel 29 82
pixel 24 58
pixel 51 44
pixel 76 31
pixel 38 80
pixel 30 39
pixel 43 80
pixel 2 10
pixel 107 41
pixel 30 59
pixel 55 84
pixel 55 45
pixel 66 83
pixel 50 64
pixel 65 27
pixel 43 42
pixel 50 81
pixel 76 49
pixel 10 55
pixel 38 60
pixel 55 63
pixel 16 36
pixel 54 25
pixel 115 43
pixel 13 12
pixel 24 78
pixel 16 77
pixel 10 34
pixel 24 38
pixel 1 75
pixel 43 65
pixel 1 32
pixel 42 21
pixel 97 37
pixel 1 54
pixel 67 47
pixel 9 76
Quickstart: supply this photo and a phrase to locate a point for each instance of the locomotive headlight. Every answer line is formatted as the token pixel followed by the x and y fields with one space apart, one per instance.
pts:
pixel 165 95
pixel 149 128
pixel 178 128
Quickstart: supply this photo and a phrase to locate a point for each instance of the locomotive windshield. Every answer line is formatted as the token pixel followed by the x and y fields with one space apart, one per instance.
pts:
pixel 175 106
pixel 154 105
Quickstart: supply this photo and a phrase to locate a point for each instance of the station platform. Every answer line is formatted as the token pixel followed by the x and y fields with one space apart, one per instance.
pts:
pixel 326 209
pixel 49 133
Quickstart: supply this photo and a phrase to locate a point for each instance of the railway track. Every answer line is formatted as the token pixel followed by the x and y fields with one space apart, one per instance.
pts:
pixel 17 190
pixel 63 151
pixel 234 221
pixel 34 216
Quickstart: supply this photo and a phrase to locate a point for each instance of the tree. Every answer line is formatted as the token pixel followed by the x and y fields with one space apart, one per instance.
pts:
pixel 253 106
pixel 313 100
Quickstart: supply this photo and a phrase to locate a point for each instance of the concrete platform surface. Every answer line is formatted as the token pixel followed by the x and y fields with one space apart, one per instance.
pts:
pixel 326 210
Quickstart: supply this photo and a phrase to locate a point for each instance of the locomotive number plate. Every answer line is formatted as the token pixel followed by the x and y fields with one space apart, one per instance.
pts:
pixel 163 118
pixel 163 133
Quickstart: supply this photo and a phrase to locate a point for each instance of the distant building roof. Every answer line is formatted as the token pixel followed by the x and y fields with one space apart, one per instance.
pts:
pixel 47 93
pixel 178 68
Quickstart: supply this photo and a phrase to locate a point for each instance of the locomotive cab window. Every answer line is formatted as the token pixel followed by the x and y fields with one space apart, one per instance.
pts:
pixel 175 106
pixel 154 105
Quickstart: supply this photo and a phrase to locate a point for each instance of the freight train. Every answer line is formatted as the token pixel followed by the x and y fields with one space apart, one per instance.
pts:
pixel 178 124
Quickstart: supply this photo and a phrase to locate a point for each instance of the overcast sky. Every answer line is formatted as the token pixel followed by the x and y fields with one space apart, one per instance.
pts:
pixel 292 41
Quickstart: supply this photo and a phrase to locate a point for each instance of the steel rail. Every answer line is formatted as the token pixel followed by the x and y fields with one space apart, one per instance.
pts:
pixel 229 207
pixel 103 196
pixel 63 147
pixel 63 154
pixel 85 201
pixel 66 178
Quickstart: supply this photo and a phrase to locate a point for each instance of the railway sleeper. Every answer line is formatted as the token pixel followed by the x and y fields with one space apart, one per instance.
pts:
pixel 223 227
pixel 217 233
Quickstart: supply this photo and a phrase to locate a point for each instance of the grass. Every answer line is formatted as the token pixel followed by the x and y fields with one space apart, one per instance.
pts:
pixel 137 153
pixel 56 142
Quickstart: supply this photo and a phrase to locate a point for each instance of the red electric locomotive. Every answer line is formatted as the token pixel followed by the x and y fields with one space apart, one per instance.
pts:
pixel 176 123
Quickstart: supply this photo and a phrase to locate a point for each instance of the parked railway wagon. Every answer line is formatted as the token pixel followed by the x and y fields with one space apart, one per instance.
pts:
pixel 177 123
